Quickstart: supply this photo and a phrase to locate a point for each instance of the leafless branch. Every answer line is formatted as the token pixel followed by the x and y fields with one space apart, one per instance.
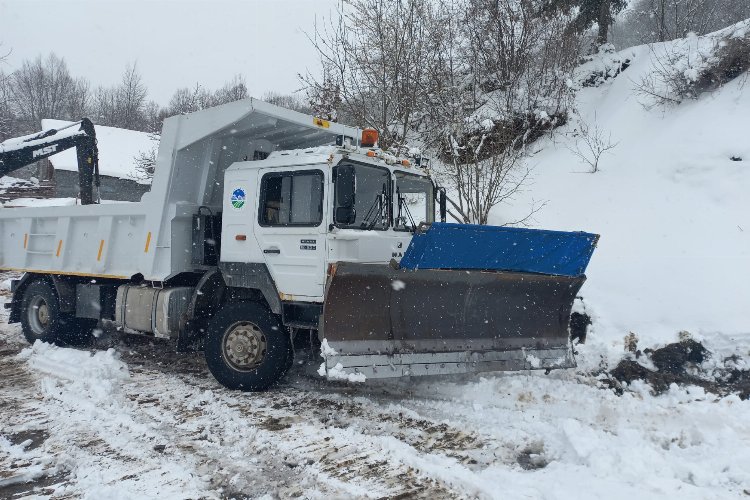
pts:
pixel 591 144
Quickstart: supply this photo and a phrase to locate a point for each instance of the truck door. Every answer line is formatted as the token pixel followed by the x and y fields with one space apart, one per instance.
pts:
pixel 290 230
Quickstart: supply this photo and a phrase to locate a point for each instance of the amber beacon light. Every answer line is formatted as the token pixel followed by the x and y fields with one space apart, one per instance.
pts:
pixel 369 138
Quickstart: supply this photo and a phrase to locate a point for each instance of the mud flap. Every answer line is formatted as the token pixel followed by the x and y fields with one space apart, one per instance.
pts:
pixel 380 322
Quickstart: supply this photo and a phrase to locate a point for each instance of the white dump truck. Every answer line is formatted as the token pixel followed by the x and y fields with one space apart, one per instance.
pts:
pixel 265 227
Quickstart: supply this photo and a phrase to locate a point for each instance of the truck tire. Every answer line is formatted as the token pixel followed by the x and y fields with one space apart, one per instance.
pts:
pixel 246 347
pixel 41 318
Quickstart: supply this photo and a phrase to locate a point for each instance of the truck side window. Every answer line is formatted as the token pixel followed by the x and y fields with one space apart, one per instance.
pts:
pixel 292 199
pixel 415 201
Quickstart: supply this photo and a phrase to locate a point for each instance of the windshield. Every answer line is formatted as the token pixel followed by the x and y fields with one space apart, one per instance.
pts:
pixel 371 196
pixel 415 203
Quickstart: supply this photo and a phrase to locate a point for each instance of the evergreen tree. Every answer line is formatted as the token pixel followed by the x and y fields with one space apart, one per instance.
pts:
pixel 588 13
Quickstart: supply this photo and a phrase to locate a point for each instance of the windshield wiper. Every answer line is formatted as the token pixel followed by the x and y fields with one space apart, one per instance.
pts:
pixel 402 205
pixel 380 202
pixel 366 224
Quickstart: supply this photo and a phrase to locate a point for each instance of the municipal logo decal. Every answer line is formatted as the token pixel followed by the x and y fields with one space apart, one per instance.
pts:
pixel 238 198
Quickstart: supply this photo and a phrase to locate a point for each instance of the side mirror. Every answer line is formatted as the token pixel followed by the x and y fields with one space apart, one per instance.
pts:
pixel 346 215
pixel 443 201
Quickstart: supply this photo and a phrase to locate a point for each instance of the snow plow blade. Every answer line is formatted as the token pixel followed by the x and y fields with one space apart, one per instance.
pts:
pixel 390 321
pixel 385 322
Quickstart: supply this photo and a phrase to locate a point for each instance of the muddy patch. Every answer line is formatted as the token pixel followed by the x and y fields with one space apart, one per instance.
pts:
pixel 275 424
pixel 30 439
pixel 40 487
pixel 680 363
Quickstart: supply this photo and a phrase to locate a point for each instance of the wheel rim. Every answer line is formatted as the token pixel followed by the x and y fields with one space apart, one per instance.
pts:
pixel 244 346
pixel 39 315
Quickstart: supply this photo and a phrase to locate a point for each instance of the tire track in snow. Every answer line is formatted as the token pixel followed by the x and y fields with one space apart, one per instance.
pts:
pixel 363 441
pixel 366 446
pixel 116 439
pixel 298 427
pixel 24 467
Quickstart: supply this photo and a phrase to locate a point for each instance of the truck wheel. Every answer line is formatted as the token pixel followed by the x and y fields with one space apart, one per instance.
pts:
pixel 246 347
pixel 41 318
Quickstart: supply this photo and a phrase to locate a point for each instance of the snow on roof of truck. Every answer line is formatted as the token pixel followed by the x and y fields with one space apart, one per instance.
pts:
pixel 321 153
pixel 318 150
pixel 118 149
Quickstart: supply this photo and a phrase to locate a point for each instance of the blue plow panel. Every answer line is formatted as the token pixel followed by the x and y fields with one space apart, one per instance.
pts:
pixel 467 246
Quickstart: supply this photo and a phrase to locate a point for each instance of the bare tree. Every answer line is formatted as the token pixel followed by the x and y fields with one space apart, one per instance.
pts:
pixel 7 117
pixel 650 21
pixel 687 68
pixel 483 184
pixel 505 71
pixel 375 54
pixel 324 96
pixel 472 81
pixel 79 100
pixel 153 116
pixel 124 105
pixel 183 101
pixel 233 90
pixel 288 101
pixel 591 144
pixel 188 100
pixel 104 106
pixel 41 89
pixel 130 99
pixel 520 61
pixel 145 161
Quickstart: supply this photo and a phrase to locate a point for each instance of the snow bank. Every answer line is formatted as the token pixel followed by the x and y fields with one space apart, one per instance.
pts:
pixel 622 447
pixel 326 350
pixel 90 414
pixel 338 373
pixel 7 181
pixel 100 372
pixel 670 205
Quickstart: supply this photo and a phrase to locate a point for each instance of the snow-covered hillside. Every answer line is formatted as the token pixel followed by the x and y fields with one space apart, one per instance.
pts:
pixel 671 206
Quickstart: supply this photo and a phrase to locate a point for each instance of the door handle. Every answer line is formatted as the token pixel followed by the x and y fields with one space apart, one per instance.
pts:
pixel 272 250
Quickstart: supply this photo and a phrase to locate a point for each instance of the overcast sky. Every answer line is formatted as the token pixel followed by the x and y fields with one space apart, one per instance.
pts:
pixel 175 43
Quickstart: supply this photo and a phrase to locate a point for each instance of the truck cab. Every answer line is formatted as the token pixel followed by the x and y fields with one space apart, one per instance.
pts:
pixel 300 212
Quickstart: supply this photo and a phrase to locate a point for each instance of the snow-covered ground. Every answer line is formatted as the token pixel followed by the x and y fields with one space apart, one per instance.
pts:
pixel 139 421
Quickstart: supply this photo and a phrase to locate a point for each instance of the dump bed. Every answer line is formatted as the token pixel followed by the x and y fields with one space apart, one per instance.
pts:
pixel 154 236
pixel 92 240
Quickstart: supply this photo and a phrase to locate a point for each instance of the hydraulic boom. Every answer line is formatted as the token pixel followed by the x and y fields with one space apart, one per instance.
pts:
pixel 21 151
